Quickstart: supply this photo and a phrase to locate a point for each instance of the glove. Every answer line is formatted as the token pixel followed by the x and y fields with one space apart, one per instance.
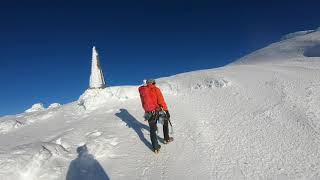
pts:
pixel 167 114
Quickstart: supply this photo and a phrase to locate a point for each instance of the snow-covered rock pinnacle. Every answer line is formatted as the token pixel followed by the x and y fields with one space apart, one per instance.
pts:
pixel 96 77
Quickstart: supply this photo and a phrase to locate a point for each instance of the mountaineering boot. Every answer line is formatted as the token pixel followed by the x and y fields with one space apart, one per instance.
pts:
pixel 166 141
pixel 157 150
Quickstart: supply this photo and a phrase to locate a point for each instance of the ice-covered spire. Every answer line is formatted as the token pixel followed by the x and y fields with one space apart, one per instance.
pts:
pixel 96 77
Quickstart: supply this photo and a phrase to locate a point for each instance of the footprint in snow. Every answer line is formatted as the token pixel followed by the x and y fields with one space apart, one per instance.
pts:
pixel 103 147
pixel 95 133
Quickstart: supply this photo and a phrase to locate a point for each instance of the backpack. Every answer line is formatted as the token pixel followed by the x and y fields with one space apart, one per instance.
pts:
pixel 148 99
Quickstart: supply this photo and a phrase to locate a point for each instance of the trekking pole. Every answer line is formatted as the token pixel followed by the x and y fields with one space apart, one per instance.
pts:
pixel 171 126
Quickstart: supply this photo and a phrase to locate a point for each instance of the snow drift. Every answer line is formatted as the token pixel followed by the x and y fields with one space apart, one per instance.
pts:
pixel 257 118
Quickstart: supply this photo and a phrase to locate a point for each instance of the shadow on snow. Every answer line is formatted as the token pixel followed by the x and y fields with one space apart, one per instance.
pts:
pixel 85 167
pixel 137 126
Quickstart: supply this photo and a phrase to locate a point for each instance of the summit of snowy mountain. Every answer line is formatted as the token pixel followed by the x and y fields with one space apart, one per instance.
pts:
pixel 258 118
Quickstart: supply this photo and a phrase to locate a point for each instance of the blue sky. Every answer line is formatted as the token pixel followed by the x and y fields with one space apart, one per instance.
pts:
pixel 45 49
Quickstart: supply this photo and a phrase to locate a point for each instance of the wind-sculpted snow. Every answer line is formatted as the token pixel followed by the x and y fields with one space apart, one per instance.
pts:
pixel 94 98
pixel 7 124
pixel 54 105
pixel 36 113
pixel 29 161
pixel 35 160
pixel 36 107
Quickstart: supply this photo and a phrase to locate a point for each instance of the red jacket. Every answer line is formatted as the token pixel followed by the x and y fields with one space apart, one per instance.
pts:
pixel 152 98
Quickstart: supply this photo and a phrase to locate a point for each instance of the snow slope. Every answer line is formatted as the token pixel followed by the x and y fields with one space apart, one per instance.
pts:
pixel 255 119
pixel 293 47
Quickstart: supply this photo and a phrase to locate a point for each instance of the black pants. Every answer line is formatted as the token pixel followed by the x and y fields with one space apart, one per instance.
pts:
pixel 153 130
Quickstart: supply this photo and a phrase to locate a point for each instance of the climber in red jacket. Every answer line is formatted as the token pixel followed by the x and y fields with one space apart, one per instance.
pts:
pixel 154 105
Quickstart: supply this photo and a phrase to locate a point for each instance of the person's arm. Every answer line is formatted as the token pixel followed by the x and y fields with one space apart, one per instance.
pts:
pixel 160 100
pixel 162 103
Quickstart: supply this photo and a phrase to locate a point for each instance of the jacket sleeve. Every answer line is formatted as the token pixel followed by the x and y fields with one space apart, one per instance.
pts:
pixel 141 97
pixel 160 99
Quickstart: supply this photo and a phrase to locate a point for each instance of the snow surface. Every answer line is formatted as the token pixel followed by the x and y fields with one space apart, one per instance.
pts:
pixel 257 118
pixel 294 49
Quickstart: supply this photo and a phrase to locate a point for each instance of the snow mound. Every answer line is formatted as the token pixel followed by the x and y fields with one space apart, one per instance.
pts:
pixel 54 105
pixel 102 147
pixel 35 107
pixel 8 124
pixel 95 98
pixel 29 161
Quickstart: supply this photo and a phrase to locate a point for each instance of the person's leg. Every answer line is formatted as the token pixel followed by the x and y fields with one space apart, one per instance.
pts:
pixel 153 133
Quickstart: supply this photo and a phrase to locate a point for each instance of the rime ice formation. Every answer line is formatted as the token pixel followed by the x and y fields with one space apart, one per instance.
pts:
pixel 35 107
pixel 96 77
pixel 54 105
